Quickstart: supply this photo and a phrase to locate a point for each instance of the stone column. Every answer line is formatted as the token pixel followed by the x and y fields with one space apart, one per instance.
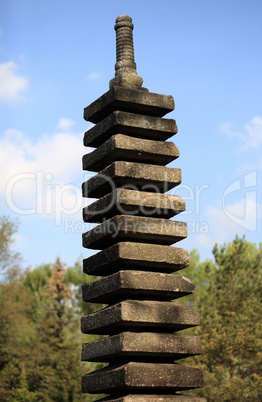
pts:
pixel 135 235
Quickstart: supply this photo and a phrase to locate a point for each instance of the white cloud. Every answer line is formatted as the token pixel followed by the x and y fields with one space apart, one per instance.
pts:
pixel 250 136
pixel 205 241
pixel 11 84
pixel 94 76
pixel 254 132
pixel 42 177
pixel 19 242
pixel 65 124
pixel 252 165
pixel 237 218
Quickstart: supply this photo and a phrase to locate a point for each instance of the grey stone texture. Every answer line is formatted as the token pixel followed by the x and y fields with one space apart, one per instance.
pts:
pixel 135 234
pixel 140 228
pixel 135 176
pixel 135 125
pixel 121 147
pixel 129 100
pixel 125 66
pixel 153 398
pixel 135 376
pixel 132 202
pixel 140 315
pixel 137 285
pixel 142 346
pixel 134 255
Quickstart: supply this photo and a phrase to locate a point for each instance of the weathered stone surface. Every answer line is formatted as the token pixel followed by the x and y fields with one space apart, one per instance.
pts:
pixel 152 398
pixel 142 377
pixel 142 346
pixel 130 255
pixel 135 176
pixel 128 227
pixel 121 147
pixel 131 124
pixel 137 285
pixel 125 67
pixel 128 100
pixel 135 234
pixel 131 202
pixel 138 315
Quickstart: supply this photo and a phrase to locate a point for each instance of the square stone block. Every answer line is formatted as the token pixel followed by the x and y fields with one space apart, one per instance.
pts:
pixel 129 100
pixel 152 398
pixel 137 285
pixel 130 255
pixel 121 147
pixel 134 176
pixel 135 125
pixel 142 377
pixel 136 228
pixel 142 346
pixel 131 202
pixel 140 315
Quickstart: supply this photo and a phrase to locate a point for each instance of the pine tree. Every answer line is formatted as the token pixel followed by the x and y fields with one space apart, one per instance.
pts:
pixel 230 307
pixel 9 259
pixel 40 338
pixel 57 369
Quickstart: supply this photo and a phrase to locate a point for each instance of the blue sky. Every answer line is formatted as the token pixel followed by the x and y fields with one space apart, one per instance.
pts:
pixel 56 57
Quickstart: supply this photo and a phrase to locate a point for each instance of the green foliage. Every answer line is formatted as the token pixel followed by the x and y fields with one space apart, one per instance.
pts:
pixel 229 298
pixel 40 339
pixel 9 260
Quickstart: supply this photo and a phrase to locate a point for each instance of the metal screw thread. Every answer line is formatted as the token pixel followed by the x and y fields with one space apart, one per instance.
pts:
pixel 125 62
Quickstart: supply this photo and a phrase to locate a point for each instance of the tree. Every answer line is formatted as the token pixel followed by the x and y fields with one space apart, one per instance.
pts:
pixel 55 372
pixel 9 259
pixel 40 338
pixel 230 306
pixel 16 339
pixel 15 308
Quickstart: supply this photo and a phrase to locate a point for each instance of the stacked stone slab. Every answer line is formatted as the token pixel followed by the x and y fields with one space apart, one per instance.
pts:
pixel 135 235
